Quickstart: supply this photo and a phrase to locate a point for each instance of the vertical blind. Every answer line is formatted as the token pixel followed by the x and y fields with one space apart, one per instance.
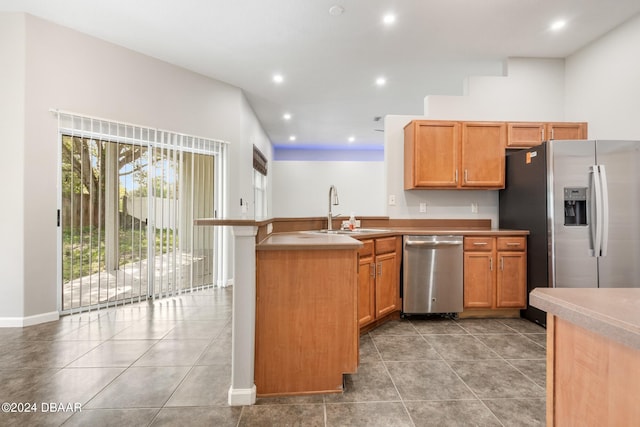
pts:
pixel 129 195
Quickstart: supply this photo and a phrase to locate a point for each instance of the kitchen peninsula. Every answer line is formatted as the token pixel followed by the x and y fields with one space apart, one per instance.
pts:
pixel 593 355
pixel 311 295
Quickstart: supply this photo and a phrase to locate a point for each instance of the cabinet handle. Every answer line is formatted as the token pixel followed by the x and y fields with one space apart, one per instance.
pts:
pixel 491 264
pixel 372 270
pixel 542 134
pixel 551 133
pixel 456 176
pixel 501 263
pixel 513 243
pixel 465 176
pixel 379 269
pixel 479 243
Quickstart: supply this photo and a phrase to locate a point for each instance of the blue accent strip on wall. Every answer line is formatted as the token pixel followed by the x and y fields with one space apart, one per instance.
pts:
pixel 370 153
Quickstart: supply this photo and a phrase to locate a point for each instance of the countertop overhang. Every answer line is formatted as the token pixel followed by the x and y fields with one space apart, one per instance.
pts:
pixel 226 222
pixel 611 312
pixel 314 240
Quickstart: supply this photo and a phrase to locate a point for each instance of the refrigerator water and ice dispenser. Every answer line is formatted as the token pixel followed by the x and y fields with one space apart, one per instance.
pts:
pixel 575 206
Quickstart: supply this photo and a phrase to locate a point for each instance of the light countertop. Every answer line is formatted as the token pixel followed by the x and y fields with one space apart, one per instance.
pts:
pixel 613 313
pixel 314 240
pixel 306 241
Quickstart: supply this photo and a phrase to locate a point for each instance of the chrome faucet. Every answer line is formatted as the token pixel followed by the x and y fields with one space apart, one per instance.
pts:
pixel 333 191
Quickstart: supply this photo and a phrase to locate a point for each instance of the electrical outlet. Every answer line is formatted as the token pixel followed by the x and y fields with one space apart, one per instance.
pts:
pixel 423 207
pixel 392 200
pixel 269 228
pixel 474 208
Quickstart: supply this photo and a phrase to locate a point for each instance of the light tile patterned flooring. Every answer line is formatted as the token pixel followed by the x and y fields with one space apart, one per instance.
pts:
pixel 168 363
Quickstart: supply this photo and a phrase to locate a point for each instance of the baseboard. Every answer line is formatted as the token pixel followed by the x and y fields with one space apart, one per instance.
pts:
pixel 19 322
pixel 479 313
pixel 242 396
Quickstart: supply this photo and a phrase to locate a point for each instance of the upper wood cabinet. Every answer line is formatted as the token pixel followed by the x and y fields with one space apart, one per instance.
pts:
pixel 449 155
pixel 524 135
pixel 431 154
pixel 482 160
pixel 565 130
pixel 530 134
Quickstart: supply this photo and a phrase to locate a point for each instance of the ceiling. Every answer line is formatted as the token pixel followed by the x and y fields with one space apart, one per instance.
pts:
pixel 329 63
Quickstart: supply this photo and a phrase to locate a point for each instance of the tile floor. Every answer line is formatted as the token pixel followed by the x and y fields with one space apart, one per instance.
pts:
pixel 168 363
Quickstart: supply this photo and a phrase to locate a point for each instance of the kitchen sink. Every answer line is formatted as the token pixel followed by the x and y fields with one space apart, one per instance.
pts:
pixel 355 231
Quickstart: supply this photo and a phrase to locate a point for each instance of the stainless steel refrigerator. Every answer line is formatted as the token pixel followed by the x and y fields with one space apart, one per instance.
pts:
pixel 580 200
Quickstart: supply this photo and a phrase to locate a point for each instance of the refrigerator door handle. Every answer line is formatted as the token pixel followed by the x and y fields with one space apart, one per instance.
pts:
pixel 605 210
pixel 596 228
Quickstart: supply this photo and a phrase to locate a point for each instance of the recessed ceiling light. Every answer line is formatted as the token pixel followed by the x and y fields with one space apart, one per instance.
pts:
pixel 286 116
pixel 292 138
pixel 278 78
pixel 336 10
pixel 381 81
pixel 558 25
pixel 352 138
pixel 389 19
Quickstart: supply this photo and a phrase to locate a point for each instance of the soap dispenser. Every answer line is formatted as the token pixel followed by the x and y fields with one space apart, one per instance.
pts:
pixel 352 221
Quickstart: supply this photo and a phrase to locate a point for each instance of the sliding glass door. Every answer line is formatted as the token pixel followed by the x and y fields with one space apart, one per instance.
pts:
pixel 126 217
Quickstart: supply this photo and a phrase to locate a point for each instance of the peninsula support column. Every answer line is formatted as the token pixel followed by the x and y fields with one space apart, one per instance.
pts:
pixel 243 389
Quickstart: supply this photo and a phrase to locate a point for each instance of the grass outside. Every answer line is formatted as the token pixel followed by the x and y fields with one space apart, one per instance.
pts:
pixel 83 248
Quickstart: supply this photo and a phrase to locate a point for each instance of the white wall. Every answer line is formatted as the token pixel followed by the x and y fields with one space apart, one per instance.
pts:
pixel 603 84
pixel 254 134
pixel 12 87
pixel 532 90
pixel 71 71
pixel 301 188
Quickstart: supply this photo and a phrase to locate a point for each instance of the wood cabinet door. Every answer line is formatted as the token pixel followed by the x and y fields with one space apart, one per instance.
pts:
pixel 478 279
pixel 483 145
pixel 386 284
pixel 435 154
pixel 525 135
pixel 511 289
pixel 366 291
pixel 566 131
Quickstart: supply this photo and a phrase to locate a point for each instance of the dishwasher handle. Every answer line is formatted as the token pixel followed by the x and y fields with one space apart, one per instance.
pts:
pixel 418 243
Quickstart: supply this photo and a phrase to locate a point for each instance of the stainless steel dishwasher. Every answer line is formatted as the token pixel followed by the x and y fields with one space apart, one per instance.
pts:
pixel 432 274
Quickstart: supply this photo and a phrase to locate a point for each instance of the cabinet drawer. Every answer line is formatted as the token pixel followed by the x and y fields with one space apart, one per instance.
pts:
pixel 478 243
pixel 385 245
pixel 512 243
pixel 367 249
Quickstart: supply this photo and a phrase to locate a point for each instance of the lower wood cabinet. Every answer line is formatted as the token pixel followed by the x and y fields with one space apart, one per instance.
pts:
pixel 366 284
pixel 495 272
pixel 592 380
pixel 511 282
pixel 378 279
pixel 306 322
pixel 479 282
